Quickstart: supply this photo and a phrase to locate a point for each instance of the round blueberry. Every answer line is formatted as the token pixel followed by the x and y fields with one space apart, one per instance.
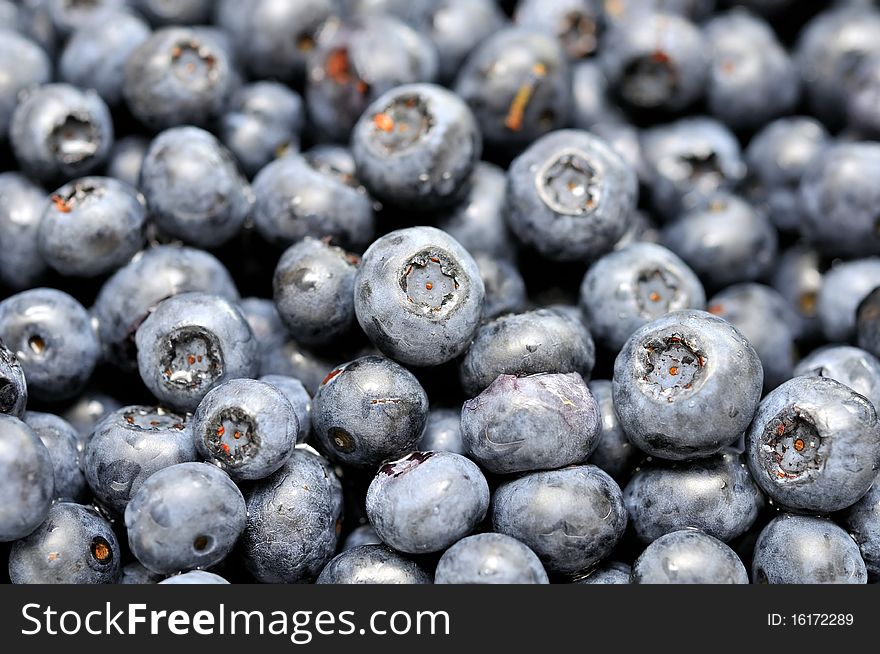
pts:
pixel 126 159
pixel 459 26
pixel 505 289
pixel 851 366
pixel 442 432
pixel 299 398
pixel 62 441
pixel 21 208
pixel 844 287
pixel 26 66
pixel 490 559
pixel 372 564
pixel 688 557
pixel 26 476
pixel 614 453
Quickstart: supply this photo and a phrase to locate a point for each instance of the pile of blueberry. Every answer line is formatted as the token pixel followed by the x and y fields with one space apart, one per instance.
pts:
pixel 450 291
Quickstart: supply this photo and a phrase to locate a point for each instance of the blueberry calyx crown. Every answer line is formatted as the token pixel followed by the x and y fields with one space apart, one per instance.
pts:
pixel 429 282
pixel 191 358
pixel 232 436
pixel 570 184
pixel 78 193
pixel 650 80
pixel 144 419
pixel 673 367
pixel 192 60
pixel 656 291
pixel 401 124
pixel 75 139
pixel 793 449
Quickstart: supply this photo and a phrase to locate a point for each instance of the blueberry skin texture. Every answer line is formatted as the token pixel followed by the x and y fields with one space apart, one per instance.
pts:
pixel 862 520
pixel 715 495
pixel 490 559
pixel 659 412
pixel 795 549
pixel 628 288
pixel 459 26
pixel 87 411
pixel 427 501
pixel 261 421
pixel 528 343
pixel 478 222
pixel 262 120
pixel 752 79
pixel 26 66
pixel 372 564
pixel 777 157
pixel 505 289
pixel 156 274
pixel 574 531
pixel 264 321
pixel 767 321
pixel 74 545
pixel 688 161
pixel 62 441
pixel 59 131
pixel 27 476
pixel 92 226
pixel 608 574
pixel 442 432
pixel 214 328
pixel 314 291
pixel 186 516
pixel 96 53
pixel 614 453
pixel 128 446
pixel 290 359
pixel 363 535
pixel 21 207
pixel 294 199
pixel 797 277
pixel 512 64
pixel 13 387
pixel 368 411
pixel 851 366
pixel 195 577
pixel 540 422
pixel 839 194
pixel 291 531
pixel 688 556
pixel 844 287
pixel 54 340
pixel 575 23
pixel 639 77
pixel 299 398
pixel 126 158
pixel 813 445
pixel 419 296
pixel 570 196
pixel 178 76
pixel 194 188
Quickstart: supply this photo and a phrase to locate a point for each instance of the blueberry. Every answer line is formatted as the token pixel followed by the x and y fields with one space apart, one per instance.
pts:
pixel 27 477
pixel 190 343
pixel 767 321
pixel 356 61
pixel 197 577
pixel 752 79
pixel 839 193
pixel 505 289
pixel 655 60
pixel 314 291
pixel 128 446
pixel 179 12
pixel 263 120
pixel 688 557
pixel 608 574
pixel 418 296
pixel 528 343
pixel 363 535
pixel 294 198
pixel 442 432
pixel 795 549
pixel 849 365
pixel 262 317
pixel 67 16
pixel 633 286
pixel 126 159
pixel 290 359
pixel 126 299
pixel 21 207
pixel 87 411
pixel 539 422
pixel 642 229
pixel 457 27
pixel 95 55
pixel 862 520
pixel 92 226
pixel 427 501
pixel 26 66
pixel 575 23
pixel 813 445
pixel 54 340
pixel 716 495
pixel 688 161
pixel 844 287
pixel 246 427
pixel 74 545
pixel 777 157
pixel 478 222
pixel 570 196
pixel 797 277
pixel 680 373
pixel 591 101
pixel 861 101
pixel 369 410
pixel 194 188
pixel 59 131
pixel 136 574
pixel 13 387
pixel 416 145
pixel 185 516
pixel 571 518
pixel 299 398
pixel 517 83
pixel 372 564
pixel 867 324
pixel 614 453
pixel 62 441
pixel 293 517
pixel 179 75
pixel 490 559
